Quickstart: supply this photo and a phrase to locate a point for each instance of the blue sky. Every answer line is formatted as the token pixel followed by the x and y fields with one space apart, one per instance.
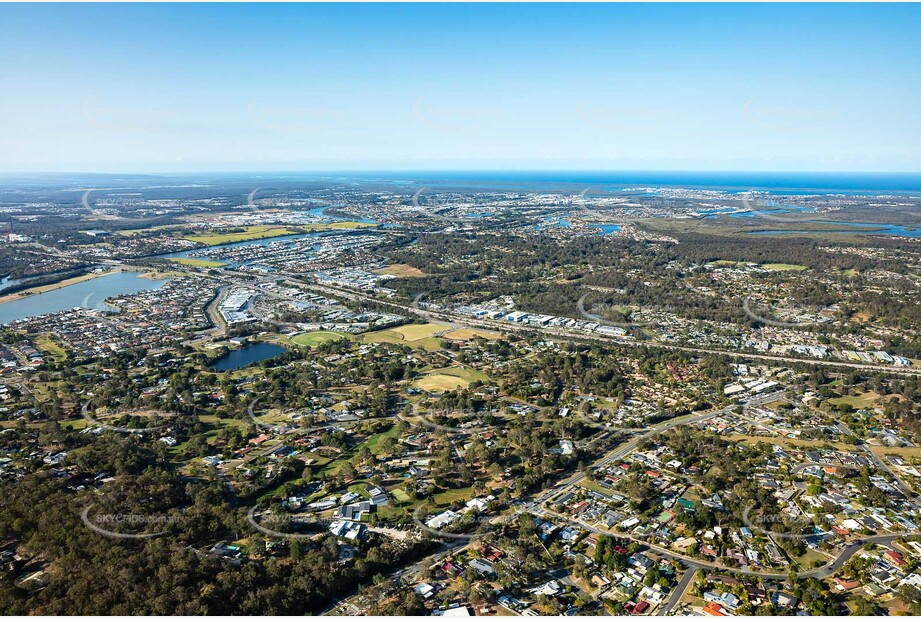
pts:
pixel 209 87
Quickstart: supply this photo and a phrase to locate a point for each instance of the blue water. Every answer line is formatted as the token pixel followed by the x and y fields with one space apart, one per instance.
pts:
pixel 321 212
pixel 710 212
pixel 89 294
pixel 253 353
pixel 557 223
pixel 244 243
pixel 778 182
pixel 880 230
pixel 606 229
pixel 480 215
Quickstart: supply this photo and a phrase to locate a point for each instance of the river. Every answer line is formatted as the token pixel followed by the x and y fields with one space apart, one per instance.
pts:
pixel 90 294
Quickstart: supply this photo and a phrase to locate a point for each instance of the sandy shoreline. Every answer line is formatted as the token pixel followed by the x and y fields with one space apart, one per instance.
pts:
pixel 53 286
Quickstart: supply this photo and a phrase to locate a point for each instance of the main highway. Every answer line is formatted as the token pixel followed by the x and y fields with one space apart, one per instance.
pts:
pixel 443 316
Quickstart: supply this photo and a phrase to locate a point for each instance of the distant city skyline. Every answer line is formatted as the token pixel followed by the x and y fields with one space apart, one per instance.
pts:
pixel 193 88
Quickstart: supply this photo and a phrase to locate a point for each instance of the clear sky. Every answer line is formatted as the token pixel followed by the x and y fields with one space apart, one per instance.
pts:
pixel 146 88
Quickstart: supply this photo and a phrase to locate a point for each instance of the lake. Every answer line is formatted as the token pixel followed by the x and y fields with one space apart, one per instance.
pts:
pixel 247 355
pixel 90 294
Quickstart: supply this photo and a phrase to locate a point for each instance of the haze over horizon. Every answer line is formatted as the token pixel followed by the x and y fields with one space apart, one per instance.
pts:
pixel 274 88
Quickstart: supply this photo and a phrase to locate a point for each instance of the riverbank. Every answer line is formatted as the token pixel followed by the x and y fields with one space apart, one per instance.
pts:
pixel 53 286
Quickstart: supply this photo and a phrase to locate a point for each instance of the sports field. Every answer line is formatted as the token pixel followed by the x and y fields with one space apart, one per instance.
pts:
pixel 782 267
pixel 197 263
pixel 316 338
pixel 466 334
pixel 252 232
pixel 412 335
pixel 448 379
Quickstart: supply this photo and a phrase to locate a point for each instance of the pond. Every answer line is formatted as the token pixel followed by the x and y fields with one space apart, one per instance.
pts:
pixel 247 355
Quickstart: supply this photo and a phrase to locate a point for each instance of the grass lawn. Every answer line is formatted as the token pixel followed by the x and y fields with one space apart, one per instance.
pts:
pixel 400 270
pixel 415 332
pixel 790 441
pixel 453 495
pixel 49 347
pixel 374 441
pixel 400 495
pixel 211 419
pixel 466 334
pixel 338 225
pixel 197 263
pixel 373 444
pixel 143 230
pixel 412 335
pixel 593 486
pixel 316 338
pixel 449 378
pixel 782 267
pixel 440 383
pixel 865 400
pixel 75 424
pixel 251 232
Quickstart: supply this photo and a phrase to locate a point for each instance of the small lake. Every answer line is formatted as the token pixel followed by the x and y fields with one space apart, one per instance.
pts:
pixel 247 355
pixel 90 294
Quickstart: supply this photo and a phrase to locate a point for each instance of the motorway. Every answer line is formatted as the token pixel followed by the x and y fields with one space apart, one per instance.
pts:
pixel 496 325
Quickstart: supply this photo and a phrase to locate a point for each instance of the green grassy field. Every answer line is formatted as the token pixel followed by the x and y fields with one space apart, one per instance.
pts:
pixel 316 338
pixel 412 335
pixel 252 232
pixel 49 347
pixel 400 270
pixel 782 267
pixel 197 263
pixel 865 400
pixel 338 225
pixel 466 334
pixel 449 378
